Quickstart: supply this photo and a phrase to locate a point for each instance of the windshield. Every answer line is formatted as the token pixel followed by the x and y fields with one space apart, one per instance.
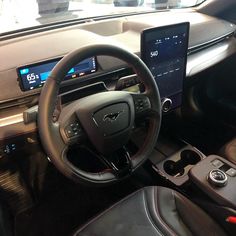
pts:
pixel 18 14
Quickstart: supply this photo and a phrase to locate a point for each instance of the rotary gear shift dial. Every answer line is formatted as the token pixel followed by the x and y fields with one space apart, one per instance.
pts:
pixel 217 178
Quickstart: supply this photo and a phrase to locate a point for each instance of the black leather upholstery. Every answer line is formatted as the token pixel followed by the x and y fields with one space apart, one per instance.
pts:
pixel 152 211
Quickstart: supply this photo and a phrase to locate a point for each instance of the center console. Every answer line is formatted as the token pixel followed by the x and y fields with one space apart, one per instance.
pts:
pixel 173 159
pixel 216 177
pixel 175 168
pixel 185 165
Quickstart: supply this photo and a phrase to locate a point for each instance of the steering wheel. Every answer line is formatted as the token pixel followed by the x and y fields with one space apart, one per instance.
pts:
pixel 106 119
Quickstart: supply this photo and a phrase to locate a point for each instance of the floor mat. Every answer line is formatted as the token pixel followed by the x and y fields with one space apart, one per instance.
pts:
pixel 70 206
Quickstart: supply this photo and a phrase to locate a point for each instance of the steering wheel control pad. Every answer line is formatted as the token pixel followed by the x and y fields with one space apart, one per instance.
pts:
pixel 108 121
pixel 73 130
pixel 141 103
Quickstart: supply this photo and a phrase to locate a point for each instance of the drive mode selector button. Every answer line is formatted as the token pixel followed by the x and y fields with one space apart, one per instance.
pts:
pixel 166 104
pixel 217 178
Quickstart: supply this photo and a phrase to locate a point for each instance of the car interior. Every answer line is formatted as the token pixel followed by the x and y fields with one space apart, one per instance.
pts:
pixel 120 125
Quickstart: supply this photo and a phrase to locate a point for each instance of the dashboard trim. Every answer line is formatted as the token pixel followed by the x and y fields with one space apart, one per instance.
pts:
pixel 210 43
pixel 9 120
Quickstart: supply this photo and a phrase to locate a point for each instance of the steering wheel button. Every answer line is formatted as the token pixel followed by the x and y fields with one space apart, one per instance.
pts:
pixel 69 133
pixel 74 129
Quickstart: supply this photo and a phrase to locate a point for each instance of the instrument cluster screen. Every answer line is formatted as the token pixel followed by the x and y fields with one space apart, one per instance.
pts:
pixel 35 75
pixel 164 51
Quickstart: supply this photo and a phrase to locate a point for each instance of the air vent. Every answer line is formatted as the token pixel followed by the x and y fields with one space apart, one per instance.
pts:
pixel 26 101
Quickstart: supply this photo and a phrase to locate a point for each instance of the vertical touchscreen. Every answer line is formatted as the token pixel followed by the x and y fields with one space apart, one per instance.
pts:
pixel 164 50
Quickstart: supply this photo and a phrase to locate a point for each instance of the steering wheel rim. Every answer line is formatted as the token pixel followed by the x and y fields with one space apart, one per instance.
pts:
pixel 50 133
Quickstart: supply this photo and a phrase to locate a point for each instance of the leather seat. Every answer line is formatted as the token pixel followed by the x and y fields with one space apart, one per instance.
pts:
pixel 229 151
pixel 152 211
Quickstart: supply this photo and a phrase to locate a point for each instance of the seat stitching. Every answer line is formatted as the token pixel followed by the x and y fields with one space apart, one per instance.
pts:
pixel 178 212
pixel 187 203
pixel 168 228
pixel 149 215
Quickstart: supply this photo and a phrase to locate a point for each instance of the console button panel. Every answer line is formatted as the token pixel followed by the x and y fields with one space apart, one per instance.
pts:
pixel 217 163
pixel 225 175
pixel 231 172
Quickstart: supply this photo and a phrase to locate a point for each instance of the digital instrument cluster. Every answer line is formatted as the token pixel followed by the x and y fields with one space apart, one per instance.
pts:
pixel 35 75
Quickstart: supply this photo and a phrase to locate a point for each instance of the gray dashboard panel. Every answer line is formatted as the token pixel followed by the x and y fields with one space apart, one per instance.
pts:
pixel 124 32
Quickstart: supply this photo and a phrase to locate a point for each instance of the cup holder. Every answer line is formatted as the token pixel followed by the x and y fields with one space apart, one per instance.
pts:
pixel 190 157
pixel 174 168
pixel 177 168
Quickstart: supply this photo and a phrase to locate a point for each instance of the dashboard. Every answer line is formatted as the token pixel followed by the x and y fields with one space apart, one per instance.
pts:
pixel 124 32
pixel 163 49
pixel 26 61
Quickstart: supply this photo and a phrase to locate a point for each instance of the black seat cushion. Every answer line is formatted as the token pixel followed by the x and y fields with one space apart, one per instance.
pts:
pixel 152 211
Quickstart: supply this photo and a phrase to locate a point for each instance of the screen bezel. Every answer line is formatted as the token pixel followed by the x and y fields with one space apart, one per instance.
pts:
pixel 162 28
pixel 20 80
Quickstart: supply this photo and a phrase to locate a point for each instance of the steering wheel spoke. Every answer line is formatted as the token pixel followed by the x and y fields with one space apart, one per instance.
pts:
pixel 118 162
pixel 70 127
pixel 142 106
pixel 72 132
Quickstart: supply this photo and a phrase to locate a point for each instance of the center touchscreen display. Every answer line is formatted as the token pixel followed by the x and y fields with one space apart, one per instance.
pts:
pixel 35 75
pixel 164 51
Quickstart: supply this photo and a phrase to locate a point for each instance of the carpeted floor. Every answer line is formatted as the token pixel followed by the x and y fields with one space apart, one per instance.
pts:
pixel 67 206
